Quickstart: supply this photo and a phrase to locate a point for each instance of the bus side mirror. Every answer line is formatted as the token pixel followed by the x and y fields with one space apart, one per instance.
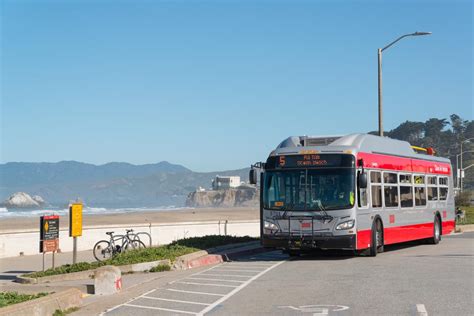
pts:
pixel 363 180
pixel 253 176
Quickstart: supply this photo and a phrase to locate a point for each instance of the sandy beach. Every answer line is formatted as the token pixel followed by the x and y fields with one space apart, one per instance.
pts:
pixel 156 217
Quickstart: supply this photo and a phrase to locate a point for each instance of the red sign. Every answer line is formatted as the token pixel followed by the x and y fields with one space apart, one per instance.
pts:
pixel 306 225
pixel 49 245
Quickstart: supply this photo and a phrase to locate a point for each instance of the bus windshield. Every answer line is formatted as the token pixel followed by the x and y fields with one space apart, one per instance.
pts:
pixel 309 189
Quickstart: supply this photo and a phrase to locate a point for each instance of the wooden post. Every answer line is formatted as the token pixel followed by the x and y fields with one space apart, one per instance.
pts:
pixel 43 261
pixel 53 258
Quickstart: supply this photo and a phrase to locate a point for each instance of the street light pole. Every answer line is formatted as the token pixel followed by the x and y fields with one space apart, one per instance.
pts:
pixel 380 92
pixel 461 182
pixel 458 170
pixel 379 53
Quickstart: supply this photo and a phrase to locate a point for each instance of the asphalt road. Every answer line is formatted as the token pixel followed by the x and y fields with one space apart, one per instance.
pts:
pixel 409 279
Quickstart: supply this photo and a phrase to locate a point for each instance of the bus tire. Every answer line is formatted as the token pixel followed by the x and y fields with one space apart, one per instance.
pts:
pixel 376 243
pixel 436 232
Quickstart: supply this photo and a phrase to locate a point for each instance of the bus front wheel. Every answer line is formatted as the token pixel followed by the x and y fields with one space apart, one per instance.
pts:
pixel 376 245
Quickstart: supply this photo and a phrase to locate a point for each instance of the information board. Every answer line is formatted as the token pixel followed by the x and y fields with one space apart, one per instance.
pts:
pixel 49 233
pixel 310 161
pixel 75 220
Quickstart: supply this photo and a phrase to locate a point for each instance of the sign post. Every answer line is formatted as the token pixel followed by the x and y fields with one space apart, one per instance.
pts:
pixel 49 235
pixel 75 227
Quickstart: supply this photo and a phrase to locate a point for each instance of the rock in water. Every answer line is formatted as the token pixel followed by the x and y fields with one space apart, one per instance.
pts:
pixel 38 199
pixel 23 200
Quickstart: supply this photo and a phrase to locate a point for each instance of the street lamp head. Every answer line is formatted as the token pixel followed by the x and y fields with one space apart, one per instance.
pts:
pixel 421 33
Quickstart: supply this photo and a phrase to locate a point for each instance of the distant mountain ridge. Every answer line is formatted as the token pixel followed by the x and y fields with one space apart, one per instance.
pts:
pixel 114 184
pixel 21 173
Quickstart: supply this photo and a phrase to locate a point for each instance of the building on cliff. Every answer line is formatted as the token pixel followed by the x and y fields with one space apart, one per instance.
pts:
pixel 223 183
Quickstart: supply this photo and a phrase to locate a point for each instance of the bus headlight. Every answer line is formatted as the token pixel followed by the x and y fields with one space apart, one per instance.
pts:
pixel 270 227
pixel 346 225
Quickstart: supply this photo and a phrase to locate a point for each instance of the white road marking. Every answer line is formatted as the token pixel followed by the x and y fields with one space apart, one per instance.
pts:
pixel 420 308
pixel 177 301
pixel 249 263
pixel 234 270
pixel 223 274
pixel 130 300
pixel 211 284
pixel 317 310
pixel 161 309
pixel 250 269
pixel 236 290
pixel 193 292
pixel 210 279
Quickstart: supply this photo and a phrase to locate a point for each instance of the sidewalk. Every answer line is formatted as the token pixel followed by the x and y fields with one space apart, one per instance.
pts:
pixel 11 267
pixel 465 228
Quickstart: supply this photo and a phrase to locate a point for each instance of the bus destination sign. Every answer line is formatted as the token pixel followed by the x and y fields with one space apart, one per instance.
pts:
pixel 310 161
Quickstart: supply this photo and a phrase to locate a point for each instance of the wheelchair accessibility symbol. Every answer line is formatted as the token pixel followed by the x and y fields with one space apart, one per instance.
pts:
pixel 317 310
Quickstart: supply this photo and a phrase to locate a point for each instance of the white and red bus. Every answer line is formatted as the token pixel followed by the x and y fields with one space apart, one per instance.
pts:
pixel 357 192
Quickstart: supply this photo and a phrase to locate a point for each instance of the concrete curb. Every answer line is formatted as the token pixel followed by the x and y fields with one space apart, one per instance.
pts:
pixel 143 266
pixel 73 276
pixel 89 274
pixel 465 228
pixel 45 305
pixel 216 255
pixel 191 260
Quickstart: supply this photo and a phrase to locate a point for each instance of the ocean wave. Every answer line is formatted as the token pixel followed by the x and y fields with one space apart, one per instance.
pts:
pixel 5 213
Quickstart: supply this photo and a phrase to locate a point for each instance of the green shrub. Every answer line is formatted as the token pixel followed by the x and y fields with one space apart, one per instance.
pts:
pixel 67 268
pixel 59 312
pixel 172 251
pixel 469 215
pixel 160 268
pixel 212 241
pixel 129 257
pixel 9 298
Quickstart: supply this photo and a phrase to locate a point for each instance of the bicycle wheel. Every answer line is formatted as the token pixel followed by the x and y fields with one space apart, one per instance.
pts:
pixel 134 245
pixel 102 250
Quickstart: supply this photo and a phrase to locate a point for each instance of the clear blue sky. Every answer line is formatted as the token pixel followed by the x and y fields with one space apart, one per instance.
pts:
pixel 216 85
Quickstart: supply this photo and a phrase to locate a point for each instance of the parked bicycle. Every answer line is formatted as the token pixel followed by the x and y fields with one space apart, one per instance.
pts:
pixel 116 244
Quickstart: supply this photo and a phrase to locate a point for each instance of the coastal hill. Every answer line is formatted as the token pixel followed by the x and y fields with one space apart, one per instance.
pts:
pixel 110 185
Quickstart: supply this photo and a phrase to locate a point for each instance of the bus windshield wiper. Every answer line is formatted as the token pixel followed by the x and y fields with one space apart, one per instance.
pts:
pixel 325 216
pixel 285 209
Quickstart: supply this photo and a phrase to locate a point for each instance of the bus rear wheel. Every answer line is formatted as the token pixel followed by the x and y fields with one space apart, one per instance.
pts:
pixel 436 232
pixel 376 244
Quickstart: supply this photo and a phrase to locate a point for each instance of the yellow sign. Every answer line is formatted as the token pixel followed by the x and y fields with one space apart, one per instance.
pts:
pixel 75 220
pixel 46 226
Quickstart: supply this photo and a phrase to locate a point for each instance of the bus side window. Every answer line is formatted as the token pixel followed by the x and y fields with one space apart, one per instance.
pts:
pixel 443 188
pixel 376 188
pixel 420 193
pixel 390 188
pixel 362 199
pixel 432 188
pixel 406 190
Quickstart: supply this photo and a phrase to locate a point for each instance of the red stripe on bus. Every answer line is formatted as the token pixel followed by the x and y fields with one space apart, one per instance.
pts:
pixel 447 227
pixel 393 235
pixel 363 239
pixel 379 161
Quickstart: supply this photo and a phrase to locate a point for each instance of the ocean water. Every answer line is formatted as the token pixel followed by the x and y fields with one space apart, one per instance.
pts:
pixel 9 213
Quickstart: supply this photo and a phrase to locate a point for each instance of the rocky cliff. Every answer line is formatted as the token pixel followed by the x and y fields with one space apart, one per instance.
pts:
pixel 247 196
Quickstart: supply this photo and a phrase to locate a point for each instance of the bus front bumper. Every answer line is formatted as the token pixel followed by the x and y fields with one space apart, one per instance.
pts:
pixel 347 242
